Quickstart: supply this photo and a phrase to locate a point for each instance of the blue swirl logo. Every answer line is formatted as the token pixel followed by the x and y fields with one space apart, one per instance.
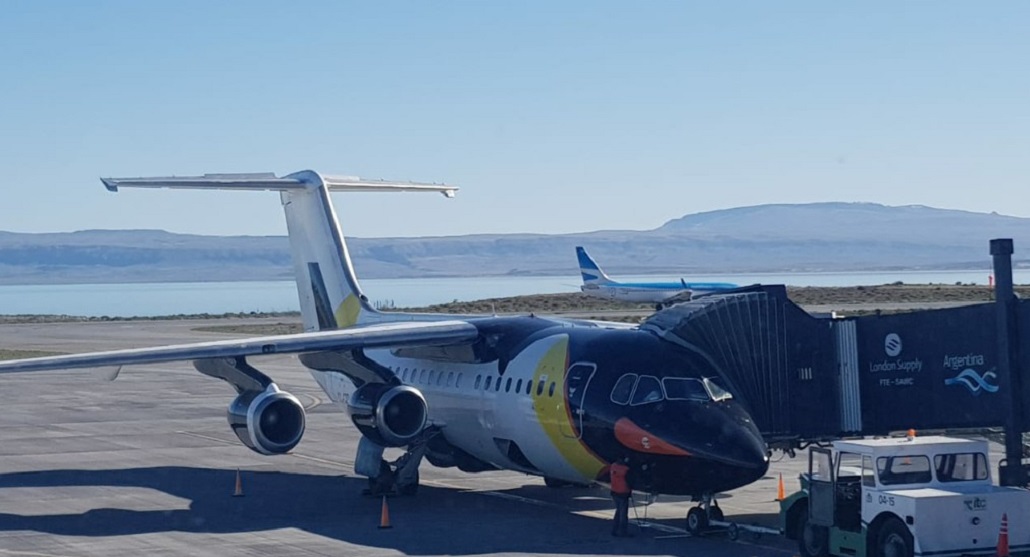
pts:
pixel 973 381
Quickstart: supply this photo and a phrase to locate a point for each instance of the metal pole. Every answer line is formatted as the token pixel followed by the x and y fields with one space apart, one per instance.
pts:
pixel 1008 361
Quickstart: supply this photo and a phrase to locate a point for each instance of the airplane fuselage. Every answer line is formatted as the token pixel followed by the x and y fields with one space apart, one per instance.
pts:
pixel 655 292
pixel 564 401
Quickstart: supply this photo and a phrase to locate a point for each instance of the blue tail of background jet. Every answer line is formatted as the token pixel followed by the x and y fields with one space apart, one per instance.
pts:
pixel 592 274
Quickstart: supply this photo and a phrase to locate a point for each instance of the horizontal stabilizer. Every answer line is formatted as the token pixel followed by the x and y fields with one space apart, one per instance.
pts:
pixel 306 179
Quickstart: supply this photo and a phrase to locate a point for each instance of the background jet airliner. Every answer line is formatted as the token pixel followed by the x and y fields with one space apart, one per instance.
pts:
pixel 597 283
pixel 554 398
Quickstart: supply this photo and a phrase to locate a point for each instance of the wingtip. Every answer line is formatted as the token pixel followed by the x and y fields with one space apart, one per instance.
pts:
pixel 109 184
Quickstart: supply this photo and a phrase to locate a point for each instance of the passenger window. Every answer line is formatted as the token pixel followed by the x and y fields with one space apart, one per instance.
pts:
pixel 432 376
pixel 678 388
pixel 450 378
pixel 478 381
pixel 550 391
pixel 422 376
pixel 487 385
pixel 507 385
pixel 497 386
pixel 623 388
pixel 648 390
pixel 540 388
pixel 529 386
pixel 457 381
pixel 518 386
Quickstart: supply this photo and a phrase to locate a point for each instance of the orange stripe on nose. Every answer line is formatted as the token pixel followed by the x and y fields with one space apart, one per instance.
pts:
pixel 634 437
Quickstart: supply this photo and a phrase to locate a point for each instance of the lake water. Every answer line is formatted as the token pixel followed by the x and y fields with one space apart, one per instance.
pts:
pixel 149 299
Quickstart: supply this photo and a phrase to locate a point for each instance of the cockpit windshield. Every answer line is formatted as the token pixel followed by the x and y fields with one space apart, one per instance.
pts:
pixel 636 389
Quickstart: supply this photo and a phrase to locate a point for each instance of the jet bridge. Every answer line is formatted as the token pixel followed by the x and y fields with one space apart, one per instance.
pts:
pixel 807 379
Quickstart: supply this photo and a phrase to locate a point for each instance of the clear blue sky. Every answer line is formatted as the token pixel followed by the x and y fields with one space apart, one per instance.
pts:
pixel 551 116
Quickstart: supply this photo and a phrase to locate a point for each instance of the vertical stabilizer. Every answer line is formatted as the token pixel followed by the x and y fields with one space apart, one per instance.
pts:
pixel 592 274
pixel 328 289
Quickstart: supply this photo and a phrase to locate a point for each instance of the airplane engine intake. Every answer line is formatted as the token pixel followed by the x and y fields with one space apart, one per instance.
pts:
pixel 268 422
pixel 391 416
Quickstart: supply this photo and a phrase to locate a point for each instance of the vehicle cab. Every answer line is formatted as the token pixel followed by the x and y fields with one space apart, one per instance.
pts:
pixel 905 496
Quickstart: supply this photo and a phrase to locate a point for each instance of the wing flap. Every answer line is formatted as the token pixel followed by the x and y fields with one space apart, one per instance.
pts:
pixel 390 335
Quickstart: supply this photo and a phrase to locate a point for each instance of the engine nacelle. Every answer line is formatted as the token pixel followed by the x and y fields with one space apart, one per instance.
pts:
pixel 269 422
pixel 389 415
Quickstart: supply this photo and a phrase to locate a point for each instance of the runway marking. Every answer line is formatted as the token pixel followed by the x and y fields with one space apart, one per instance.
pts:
pixel 30 553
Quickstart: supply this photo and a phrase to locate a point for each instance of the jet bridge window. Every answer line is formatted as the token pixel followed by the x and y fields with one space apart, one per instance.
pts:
pixel 903 469
pixel 648 390
pixel 623 388
pixel 960 467
pixel 679 388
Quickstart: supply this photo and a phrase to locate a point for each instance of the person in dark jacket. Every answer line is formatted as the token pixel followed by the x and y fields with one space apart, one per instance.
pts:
pixel 619 476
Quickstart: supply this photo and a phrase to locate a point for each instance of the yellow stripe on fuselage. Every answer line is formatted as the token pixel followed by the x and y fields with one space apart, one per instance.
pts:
pixel 553 415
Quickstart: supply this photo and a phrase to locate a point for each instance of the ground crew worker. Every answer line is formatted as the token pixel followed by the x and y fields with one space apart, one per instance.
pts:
pixel 618 472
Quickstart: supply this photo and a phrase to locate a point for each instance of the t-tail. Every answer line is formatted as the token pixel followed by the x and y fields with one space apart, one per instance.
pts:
pixel 592 274
pixel 330 297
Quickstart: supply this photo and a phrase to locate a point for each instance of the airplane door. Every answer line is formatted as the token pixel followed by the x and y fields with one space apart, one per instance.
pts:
pixel 577 379
pixel 820 487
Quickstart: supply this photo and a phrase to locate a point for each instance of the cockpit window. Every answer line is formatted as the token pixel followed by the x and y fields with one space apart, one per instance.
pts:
pixel 648 390
pixel 623 388
pixel 718 393
pixel 679 388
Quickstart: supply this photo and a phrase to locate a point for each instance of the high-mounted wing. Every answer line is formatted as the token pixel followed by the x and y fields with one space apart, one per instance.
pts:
pixel 390 335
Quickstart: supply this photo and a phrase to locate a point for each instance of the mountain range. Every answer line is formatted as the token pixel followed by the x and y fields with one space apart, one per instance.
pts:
pixel 814 237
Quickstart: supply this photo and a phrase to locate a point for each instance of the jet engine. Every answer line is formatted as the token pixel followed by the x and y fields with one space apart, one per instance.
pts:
pixel 389 415
pixel 269 422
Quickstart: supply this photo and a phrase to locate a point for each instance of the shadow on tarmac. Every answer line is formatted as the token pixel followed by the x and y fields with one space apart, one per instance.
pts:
pixel 436 521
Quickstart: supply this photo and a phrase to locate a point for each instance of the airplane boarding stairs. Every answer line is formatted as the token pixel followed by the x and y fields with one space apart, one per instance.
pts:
pixel 806 378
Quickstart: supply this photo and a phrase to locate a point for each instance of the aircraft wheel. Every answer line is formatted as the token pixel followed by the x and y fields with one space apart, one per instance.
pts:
pixel 894 540
pixel 813 541
pixel 409 489
pixel 733 532
pixel 697 521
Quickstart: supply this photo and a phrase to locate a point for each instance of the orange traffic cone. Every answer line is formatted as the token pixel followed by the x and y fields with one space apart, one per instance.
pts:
pixel 1003 537
pixel 239 485
pixel 780 495
pixel 384 516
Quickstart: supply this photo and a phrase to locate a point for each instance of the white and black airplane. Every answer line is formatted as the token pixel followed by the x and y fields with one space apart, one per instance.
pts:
pixel 556 398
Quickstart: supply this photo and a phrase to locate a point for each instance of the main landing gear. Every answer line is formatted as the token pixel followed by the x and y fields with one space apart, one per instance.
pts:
pixel 400 476
pixel 700 518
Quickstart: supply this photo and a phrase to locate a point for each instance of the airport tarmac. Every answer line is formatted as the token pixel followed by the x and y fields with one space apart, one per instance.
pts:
pixel 146 465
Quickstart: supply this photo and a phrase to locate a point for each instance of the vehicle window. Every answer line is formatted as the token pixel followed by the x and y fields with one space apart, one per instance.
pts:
pixel 903 469
pixel 623 388
pixel 960 467
pixel 679 388
pixel 648 390
pixel 716 390
pixel 868 474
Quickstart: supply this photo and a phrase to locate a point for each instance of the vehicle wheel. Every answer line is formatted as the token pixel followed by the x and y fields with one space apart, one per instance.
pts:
pixel 697 521
pixel 894 540
pixel 733 532
pixel 813 541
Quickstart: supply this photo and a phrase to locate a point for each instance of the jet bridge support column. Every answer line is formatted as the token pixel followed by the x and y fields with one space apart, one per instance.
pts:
pixel 1012 472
